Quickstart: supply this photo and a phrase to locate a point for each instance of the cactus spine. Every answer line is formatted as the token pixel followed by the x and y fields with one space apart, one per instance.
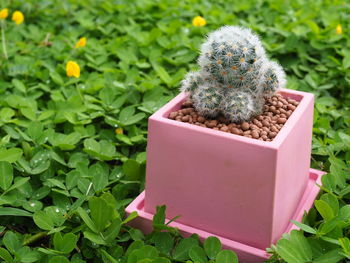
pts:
pixel 235 75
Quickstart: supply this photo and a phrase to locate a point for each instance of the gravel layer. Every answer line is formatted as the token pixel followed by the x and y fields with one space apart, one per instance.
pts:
pixel 265 127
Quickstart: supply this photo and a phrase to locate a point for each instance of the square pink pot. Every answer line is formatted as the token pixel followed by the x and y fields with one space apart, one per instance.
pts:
pixel 238 188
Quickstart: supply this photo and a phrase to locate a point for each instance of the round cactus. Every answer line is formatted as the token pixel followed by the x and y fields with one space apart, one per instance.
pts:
pixel 233 63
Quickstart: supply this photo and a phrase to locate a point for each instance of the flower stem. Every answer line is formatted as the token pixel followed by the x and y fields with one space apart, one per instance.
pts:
pixel 3 39
pixel 34 238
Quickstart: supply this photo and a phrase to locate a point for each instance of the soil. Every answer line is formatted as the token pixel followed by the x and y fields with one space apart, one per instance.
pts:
pixel 265 126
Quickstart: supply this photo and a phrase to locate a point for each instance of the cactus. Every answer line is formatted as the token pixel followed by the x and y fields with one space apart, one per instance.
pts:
pixel 235 75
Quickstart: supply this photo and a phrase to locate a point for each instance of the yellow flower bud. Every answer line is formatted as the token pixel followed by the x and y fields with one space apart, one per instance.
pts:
pixel 119 131
pixel 4 13
pixel 339 30
pixel 18 17
pixel 73 69
pixel 81 42
pixel 198 21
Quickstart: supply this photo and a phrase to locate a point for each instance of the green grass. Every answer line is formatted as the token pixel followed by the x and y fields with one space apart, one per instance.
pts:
pixel 61 160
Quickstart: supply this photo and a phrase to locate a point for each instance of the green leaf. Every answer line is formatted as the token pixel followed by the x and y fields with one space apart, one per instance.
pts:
pixel 107 258
pixel 295 248
pixel 87 220
pixel 304 227
pixel 332 201
pixel 100 211
pixel 5 255
pixel 65 243
pixel 27 255
pixel 331 256
pixel 19 85
pixel 100 176
pixel 159 216
pixel 96 238
pixel 132 216
pixel 132 170
pixel 58 259
pixel 197 254
pixel 112 231
pixel 134 246
pixel 18 183
pixel 163 241
pixel 324 209
pixel 10 155
pixel 182 249
pixel 10 211
pixel 212 247
pixel 160 260
pixel 226 256
pixel 6 175
pixel 43 221
pixel 12 241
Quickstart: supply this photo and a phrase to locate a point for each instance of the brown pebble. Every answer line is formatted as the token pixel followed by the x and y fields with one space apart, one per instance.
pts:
pixel 280 104
pixel 265 129
pixel 272 135
pixel 216 128
pixel 255 134
pixel 224 128
pixel 291 107
pixel 201 119
pixel 264 137
pixel 185 118
pixel 265 123
pixel 247 132
pixel 212 124
pixel 273 129
pixel 281 120
pixel 236 131
pixel 231 125
pixel 282 115
pixel 178 118
pixel 245 126
pixel 254 127
pixel 173 115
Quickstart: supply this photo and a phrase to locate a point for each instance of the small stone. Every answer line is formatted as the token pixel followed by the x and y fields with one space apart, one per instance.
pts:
pixel 245 126
pixel 291 107
pixel 272 135
pixel 201 119
pixel 173 115
pixel 281 120
pixel 255 134
pixel 185 118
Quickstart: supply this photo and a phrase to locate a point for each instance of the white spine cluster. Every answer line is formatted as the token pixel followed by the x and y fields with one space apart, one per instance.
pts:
pixel 235 75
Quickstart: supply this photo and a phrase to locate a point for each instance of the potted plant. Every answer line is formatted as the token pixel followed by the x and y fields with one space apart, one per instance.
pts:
pixel 231 153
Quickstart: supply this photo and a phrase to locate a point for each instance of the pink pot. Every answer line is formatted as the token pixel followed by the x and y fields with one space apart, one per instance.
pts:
pixel 231 186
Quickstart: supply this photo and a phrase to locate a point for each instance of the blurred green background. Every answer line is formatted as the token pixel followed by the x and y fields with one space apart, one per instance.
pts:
pixel 70 146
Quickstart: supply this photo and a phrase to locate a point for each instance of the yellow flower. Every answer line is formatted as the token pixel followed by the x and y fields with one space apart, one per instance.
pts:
pixel 198 21
pixel 4 13
pixel 119 131
pixel 339 30
pixel 81 42
pixel 18 17
pixel 73 69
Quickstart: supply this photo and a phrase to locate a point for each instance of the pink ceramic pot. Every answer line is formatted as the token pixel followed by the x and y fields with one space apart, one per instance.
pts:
pixel 242 190
pixel 236 187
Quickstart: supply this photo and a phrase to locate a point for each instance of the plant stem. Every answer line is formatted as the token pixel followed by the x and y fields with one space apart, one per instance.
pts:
pixel 34 238
pixel 3 39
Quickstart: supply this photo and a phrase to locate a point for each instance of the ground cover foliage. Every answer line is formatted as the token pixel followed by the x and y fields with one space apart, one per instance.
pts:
pixel 73 149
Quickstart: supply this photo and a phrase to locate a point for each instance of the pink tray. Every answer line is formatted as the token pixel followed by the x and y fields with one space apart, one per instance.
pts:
pixel 246 254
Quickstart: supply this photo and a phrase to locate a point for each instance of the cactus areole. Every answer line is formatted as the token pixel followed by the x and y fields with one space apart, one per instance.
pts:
pixel 235 75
